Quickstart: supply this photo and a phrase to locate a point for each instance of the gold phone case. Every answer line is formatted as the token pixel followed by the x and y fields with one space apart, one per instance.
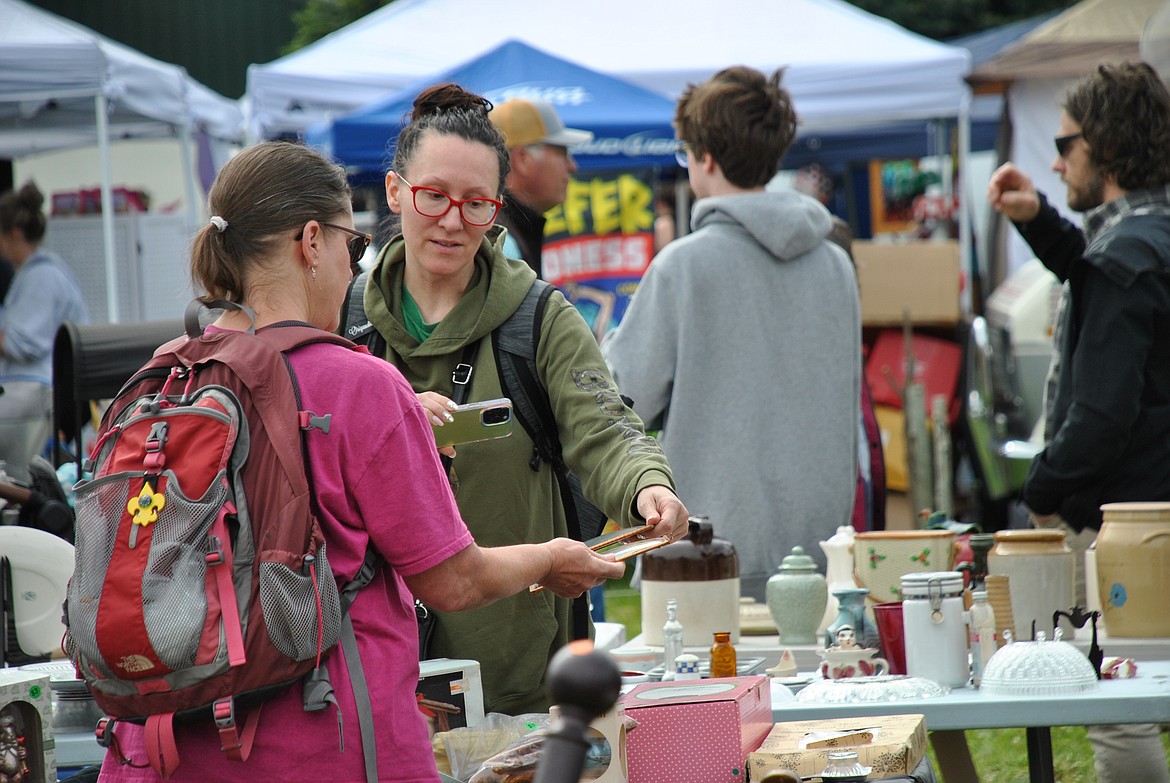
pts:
pixel 476 421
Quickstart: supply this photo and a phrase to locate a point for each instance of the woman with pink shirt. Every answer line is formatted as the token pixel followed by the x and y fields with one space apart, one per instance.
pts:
pixel 281 242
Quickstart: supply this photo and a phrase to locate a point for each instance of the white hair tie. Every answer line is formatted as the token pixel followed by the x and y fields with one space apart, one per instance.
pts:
pixel 219 223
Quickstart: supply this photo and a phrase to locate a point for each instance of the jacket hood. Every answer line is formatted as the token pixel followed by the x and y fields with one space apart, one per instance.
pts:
pixel 787 224
pixel 497 287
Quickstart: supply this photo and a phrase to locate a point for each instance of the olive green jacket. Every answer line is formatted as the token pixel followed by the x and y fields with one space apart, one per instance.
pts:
pixel 502 500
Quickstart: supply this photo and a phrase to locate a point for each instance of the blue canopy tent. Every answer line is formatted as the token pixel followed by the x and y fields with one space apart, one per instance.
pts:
pixel 631 125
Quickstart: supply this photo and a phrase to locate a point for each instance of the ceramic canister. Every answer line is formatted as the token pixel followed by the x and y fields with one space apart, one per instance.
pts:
pixel 1133 568
pixel 701 573
pixel 1039 567
pixel 880 558
pixel 935 627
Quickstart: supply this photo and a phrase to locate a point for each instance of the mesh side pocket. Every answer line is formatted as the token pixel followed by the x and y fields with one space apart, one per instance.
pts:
pixel 98 510
pixel 174 588
pixel 289 602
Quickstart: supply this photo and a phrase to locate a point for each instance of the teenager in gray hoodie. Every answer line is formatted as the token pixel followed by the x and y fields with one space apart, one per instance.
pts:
pixel 743 342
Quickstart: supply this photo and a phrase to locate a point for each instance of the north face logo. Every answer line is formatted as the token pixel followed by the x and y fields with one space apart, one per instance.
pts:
pixel 132 664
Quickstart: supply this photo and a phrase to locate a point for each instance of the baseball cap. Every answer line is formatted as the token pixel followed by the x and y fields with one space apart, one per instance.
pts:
pixel 524 121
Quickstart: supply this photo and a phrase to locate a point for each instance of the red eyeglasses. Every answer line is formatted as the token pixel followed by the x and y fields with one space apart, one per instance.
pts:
pixel 434 203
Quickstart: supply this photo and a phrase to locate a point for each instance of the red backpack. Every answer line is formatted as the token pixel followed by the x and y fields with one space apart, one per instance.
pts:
pixel 201 582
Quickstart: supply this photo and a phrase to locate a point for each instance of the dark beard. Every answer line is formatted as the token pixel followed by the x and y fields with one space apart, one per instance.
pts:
pixel 1089 197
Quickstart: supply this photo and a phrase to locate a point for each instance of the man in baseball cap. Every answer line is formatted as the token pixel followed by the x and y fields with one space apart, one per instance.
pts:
pixel 538 143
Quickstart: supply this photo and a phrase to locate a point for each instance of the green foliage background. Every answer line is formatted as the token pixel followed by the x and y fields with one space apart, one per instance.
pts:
pixel 942 19
pixel 320 17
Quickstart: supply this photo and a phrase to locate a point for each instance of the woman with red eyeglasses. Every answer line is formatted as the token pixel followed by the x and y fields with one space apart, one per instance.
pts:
pixel 436 293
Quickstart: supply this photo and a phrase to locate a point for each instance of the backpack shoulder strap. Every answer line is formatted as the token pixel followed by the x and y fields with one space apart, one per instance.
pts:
pixel 355 325
pixel 514 344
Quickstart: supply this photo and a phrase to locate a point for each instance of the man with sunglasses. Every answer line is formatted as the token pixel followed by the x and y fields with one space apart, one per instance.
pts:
pixel 1107 400
pixel 538 145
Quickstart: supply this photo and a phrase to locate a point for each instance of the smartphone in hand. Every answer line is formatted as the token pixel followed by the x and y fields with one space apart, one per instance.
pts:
pixel 476 421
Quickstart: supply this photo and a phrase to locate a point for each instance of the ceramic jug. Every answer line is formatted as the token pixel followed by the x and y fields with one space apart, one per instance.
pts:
pixel 796 597
pixel 839 571
pixel 1133 568
pixel 701 573
pixel 1039 567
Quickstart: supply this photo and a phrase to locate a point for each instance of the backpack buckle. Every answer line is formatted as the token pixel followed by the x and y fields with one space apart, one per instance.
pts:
pixel 157 438
pixel 462 374
pixel 104 732
pixel 224 712
pixel 214 554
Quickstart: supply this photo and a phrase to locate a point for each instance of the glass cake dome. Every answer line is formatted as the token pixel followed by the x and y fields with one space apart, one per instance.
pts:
pixel 1039 668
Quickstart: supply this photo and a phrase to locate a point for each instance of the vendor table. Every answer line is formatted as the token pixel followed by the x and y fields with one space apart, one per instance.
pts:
pixel 1143 699
pixel 808 656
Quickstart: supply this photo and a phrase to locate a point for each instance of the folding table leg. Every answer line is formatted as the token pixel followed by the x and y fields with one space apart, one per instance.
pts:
pixel 954 757
pixel 1040 769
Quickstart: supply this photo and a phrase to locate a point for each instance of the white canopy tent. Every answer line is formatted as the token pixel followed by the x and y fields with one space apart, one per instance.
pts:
pixel 63 85
pixel 846 69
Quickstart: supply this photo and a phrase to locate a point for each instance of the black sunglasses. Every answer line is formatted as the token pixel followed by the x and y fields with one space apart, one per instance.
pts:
pixel 1064 142
pixel 357 244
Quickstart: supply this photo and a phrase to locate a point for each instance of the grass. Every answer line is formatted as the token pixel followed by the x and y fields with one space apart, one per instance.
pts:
pixel 623 604
pixel 1000 755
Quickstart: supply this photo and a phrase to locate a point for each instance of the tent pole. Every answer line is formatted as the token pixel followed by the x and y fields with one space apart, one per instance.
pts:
pixel 973 291
pixel 192 197
pixel 103 133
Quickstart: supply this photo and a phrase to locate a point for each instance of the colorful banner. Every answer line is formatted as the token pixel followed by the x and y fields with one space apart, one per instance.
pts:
pixel 599 242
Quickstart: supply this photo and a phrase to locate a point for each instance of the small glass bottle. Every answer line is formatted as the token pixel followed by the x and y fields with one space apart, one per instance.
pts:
pixel 982 635
pixel 722 655
pixel 672 637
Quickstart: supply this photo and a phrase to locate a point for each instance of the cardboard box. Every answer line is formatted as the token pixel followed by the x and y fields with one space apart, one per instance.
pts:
pixel 899 743
pixel 922 277
pixel 26 708
pixel 450 693
pixel 698 731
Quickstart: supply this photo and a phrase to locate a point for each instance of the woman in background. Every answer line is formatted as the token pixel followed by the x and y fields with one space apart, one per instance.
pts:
pixel 44 294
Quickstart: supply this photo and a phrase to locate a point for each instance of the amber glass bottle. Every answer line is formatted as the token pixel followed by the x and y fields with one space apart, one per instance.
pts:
pixel 722 655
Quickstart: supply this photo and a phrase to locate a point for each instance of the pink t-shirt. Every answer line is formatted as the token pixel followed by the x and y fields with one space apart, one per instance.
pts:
pixel 377 478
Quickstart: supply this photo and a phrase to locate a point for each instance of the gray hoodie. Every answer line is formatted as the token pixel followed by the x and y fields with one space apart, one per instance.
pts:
pixel 743 343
